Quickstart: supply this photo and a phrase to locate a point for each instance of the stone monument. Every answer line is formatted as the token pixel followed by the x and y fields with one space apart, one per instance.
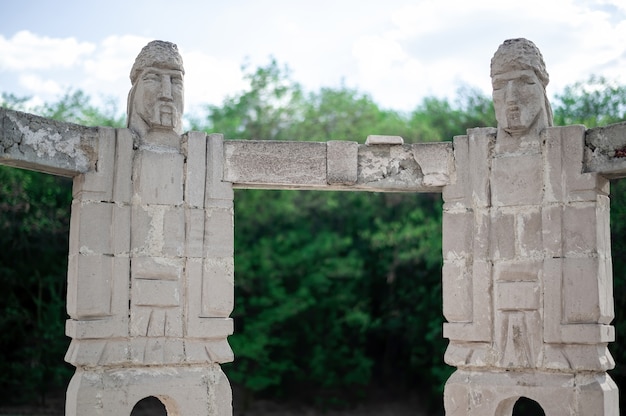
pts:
pixel 527 284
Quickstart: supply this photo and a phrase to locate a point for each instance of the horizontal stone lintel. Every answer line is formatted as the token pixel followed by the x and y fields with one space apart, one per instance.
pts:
pixel 605 150
pixel 338 165
pixel 36 143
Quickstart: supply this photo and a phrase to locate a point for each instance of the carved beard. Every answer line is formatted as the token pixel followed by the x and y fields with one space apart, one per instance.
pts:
pixel 518 121
pixel 164 116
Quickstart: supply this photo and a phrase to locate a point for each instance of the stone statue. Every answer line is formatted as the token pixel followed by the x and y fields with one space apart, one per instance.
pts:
pixel 155 101
pixel 527 272
pixel 150 284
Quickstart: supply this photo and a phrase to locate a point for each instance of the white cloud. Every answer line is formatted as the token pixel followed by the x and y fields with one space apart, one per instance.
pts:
pixel 38 85
pixel 114 58
pixel 26 50
pixel 209 79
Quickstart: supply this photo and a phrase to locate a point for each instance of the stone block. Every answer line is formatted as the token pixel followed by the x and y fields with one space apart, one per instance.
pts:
pixel 157 268
pixel 194 234
pixel 209 328
pixel 518 336
pixel 436 161
pixel 529 230
pixel 198 304
pixel 158 177
pixel 190 390
pixel 390 168
pixel 151 321
pixel 123 172
pixel 155 292
pixel 157 351
pixel 374 140
pixel 174 232
pixel 457 293
pixel 217 186
pixel 481 327
pixel 90 227
pixel 342 162
pixel 517 180
pixel 158 230
pixel 481 234
pixel 455 193
pixel 267 164
pixel 481 141
pixel 603 227
pixel 579 229
pixel 501 237
pixel 219 233
pixel 106 327
pixel 120 230
pixel 517 271
pixel 97 184
pixel 554 182
pixel 217 287
pixel 577 186
pixel 458 234
pixel 90 281
pixel 598 395
pixel 552 230
pixel 98 352
pixel 517 295
pixel 195 169
pixel 208 351
pixel 581 302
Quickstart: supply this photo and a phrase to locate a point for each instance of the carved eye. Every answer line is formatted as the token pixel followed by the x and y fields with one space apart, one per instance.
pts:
pixel 150 76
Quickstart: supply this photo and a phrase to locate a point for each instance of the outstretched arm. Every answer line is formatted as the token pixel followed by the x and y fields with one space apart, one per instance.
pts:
pixel 37 143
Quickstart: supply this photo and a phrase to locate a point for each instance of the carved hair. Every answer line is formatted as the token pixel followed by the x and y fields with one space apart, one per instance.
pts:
pixel 157 54
pixel 518 54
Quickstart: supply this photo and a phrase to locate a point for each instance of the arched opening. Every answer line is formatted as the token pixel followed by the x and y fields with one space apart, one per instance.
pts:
pixel 150 406
pixel 527 407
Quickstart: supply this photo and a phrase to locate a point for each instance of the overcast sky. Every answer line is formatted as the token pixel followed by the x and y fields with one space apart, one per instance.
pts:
pixel 398 51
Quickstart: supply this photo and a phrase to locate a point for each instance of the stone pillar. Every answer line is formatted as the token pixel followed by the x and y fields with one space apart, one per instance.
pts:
pixel 527 284
pixel 151 278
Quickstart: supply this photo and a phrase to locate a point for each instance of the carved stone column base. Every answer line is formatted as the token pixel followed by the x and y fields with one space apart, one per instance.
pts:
pixel 185 391
pixel 469 393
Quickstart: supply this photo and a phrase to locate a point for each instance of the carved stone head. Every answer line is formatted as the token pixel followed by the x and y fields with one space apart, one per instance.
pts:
pixel 519 79
pixel 155 101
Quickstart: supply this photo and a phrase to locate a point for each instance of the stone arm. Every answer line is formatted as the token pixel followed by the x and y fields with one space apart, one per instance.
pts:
pixel 37 143
pixel 605 150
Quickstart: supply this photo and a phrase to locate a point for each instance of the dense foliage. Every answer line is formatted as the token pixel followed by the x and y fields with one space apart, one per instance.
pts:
pixel 336 293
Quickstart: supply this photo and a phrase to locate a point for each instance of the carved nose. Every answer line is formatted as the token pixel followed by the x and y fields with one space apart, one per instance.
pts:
pixel 166 88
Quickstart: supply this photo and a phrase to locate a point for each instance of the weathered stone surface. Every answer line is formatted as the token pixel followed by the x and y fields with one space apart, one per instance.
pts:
pixel 271 163
pixel 605 150
pixel 342 162
pixel 423 167
pixel 194 390
pixel 32 142
pixel 373 140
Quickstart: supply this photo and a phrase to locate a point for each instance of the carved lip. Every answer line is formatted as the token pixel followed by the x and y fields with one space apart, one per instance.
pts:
pixel 166 108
